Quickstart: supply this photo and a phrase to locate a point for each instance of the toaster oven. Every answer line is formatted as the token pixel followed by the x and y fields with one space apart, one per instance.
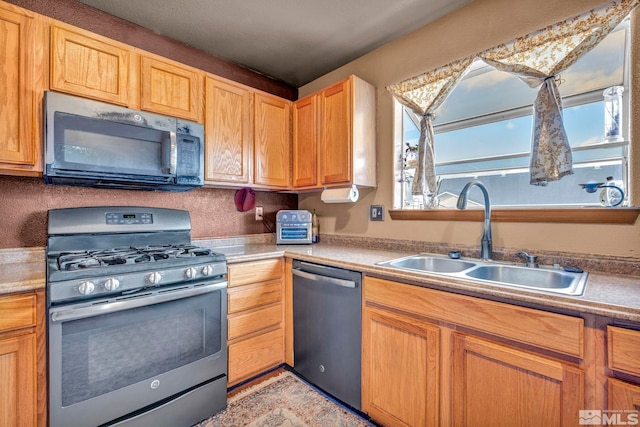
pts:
pixel 293 227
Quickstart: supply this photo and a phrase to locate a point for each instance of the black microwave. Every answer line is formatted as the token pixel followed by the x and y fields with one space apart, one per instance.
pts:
pixel 91 143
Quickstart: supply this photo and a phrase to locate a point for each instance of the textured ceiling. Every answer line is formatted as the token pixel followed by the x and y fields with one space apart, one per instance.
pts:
pixel 294 41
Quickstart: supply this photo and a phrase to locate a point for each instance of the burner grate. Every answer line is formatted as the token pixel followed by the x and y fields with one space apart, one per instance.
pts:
pixel 79 260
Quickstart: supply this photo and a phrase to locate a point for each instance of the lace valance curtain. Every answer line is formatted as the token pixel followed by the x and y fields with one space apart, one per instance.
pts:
pixel 537 59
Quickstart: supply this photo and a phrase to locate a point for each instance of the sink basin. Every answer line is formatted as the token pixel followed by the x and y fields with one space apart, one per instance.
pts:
pixel 534 278
pixel 540 279
pixel 429 264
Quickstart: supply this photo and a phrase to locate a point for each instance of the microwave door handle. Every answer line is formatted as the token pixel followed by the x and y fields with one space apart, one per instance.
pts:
pixel 170 154
pixel 173 157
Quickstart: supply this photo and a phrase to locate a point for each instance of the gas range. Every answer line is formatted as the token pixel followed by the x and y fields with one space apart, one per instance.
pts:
pixel 136 319
pixel 99 251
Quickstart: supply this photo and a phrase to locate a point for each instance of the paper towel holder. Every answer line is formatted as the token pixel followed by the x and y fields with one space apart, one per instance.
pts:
pixel 340 195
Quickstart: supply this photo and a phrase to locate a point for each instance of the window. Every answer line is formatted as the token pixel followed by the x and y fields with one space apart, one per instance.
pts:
pixel 483 131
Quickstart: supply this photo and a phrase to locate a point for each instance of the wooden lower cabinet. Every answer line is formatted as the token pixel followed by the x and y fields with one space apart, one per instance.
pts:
pixel 256 318
pixel 623 396
pixel 254 355
pixel 22 371
pixel 432 358
pixel 495 385
pixel 18 385
pixel 400 365
pixel 623 359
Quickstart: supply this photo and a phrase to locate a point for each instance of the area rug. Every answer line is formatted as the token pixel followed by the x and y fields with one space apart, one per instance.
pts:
pixel 283 401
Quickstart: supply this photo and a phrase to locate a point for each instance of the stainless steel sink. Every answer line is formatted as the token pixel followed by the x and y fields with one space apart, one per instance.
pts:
pixel 543 278
pixel 534 278
pixel 429 264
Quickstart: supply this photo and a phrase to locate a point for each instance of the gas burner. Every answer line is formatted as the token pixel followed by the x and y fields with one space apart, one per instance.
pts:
pixel 79 260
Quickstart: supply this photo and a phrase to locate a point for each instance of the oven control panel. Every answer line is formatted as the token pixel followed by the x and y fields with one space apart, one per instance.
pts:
pixel 132 218
pixel 133 281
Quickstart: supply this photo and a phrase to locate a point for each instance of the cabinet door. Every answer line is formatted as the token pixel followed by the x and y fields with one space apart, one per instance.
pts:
pixel 335 134
pixel 400 368
pixel 89 66
pixel 18 384
pixel 167 88
pixel 305 142
pixel 497 385
pixel 228 132
pixel 624 397
pixel 272 140
pixel 17 93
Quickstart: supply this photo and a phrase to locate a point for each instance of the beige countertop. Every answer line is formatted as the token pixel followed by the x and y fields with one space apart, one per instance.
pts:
pixel 607 295
pixel 21 270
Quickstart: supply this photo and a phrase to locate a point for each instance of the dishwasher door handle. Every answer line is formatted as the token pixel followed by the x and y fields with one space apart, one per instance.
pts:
pixel 324 279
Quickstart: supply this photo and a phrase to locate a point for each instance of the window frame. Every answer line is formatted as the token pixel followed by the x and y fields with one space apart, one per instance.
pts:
pixel 544 214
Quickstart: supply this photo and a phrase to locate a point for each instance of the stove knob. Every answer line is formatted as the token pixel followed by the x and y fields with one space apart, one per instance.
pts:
pixel 207 270
pixel 154 277
pixel 190 273
pixel 85 288
pixel 112 284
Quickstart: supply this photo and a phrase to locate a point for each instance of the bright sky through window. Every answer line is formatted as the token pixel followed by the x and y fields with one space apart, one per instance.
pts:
pixel 483 130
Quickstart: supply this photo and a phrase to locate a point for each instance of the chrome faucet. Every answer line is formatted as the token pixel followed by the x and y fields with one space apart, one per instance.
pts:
pixel 486 251
pixel 530 260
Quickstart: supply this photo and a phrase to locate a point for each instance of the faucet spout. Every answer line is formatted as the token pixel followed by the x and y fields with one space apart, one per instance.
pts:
pixel 486 250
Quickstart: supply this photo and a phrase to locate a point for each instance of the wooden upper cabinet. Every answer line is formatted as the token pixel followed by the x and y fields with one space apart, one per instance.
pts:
pixel 248 136
pixel 170 88
pixel 88 65
pixel 21 65
pixel 305 142
pixel 228 132
pixel 334 135
pixel 272 139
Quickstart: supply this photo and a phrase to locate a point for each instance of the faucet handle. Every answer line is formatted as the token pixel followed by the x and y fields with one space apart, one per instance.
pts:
pixel 531 260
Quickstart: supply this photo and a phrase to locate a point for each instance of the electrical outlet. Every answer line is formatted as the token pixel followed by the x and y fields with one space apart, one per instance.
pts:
pixel 376 213
pixel 259 213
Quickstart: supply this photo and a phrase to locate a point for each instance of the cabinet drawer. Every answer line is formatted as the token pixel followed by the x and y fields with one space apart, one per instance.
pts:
pixel 623 347
pixel 254 355
pixel 254 296
pixel 252 272
pixel 556 332
pixel 253 321
pixel 17 312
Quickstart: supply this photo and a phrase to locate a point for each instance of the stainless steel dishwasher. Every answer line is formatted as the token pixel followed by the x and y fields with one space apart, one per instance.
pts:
pixel 327 328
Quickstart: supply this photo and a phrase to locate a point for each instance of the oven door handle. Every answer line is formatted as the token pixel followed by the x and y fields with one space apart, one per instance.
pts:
pixel 66 314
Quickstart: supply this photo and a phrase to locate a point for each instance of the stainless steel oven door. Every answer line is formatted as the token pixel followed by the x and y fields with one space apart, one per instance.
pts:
pixel 108 359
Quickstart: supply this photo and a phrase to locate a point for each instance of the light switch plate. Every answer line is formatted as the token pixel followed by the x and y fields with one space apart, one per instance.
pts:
pixel 376 213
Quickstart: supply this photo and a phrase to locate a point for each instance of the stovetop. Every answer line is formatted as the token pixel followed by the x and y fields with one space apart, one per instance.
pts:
pixel 103 258
pixel 91 274
pixel 102 251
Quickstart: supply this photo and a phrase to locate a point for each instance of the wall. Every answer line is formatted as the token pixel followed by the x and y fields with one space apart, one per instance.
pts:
pixel 477 26
pixel 24 203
